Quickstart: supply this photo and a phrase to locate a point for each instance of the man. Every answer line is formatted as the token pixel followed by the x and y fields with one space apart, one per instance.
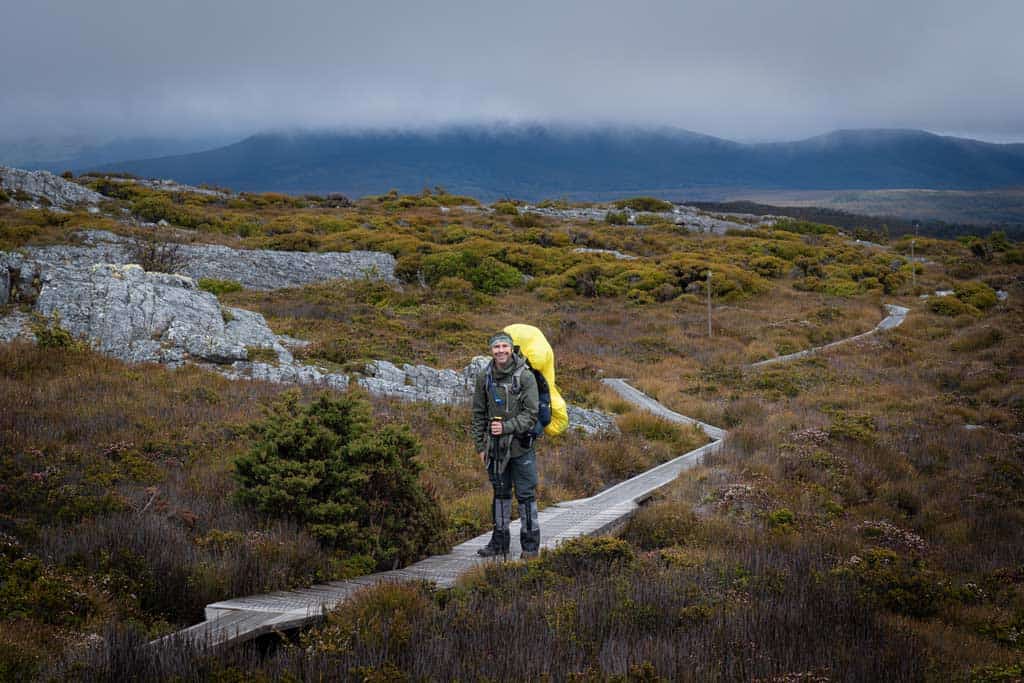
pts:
pixel 505 404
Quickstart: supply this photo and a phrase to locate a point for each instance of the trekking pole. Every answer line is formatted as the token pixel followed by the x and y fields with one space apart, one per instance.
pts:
pixel 494 455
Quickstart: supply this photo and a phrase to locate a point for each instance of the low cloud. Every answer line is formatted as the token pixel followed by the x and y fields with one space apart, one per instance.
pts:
pixel 742 69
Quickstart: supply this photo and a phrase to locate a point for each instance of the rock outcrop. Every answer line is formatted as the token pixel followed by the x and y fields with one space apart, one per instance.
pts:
pixel 254 268
pixel 138 316
pixel 686 216
pixel 46 188
pixel 127 313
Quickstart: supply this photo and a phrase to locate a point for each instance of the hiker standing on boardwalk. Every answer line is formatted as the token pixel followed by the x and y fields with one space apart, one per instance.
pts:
pixel 505 405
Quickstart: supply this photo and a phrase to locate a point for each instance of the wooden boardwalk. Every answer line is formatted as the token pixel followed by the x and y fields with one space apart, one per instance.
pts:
pixel 241 619
pixel 895 317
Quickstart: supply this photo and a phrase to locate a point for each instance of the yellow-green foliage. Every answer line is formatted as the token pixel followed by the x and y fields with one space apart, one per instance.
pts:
pixel 644 204
pixel 588 553
pixel 728 281
pixel 661 525
pixel 951 306
pixel 218 287
pixel 384 617
pixel 976 294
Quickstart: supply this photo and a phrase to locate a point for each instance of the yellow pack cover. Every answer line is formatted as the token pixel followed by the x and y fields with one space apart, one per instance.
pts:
pixel 535 347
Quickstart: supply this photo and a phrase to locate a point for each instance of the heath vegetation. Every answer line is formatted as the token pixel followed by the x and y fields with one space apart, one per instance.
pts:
pixel 863 521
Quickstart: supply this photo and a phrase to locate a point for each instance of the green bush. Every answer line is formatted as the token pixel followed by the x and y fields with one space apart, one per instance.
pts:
pixel 589 553
pixel 976 294
pixel 218 287
pixel 383 618
pixel 486 273
pixel 769 266
pixel 354 486
pixel 661 525
pixel 951 306
pixel 805 227
pixel 616 218
pixel 50 335
pixel 902 585
pixel 644 204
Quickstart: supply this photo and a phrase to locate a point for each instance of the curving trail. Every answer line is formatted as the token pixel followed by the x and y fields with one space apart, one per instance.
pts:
pixel 896 316
pixel 241 619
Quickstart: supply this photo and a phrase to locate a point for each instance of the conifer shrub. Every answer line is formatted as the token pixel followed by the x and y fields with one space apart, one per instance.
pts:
pixel 353 486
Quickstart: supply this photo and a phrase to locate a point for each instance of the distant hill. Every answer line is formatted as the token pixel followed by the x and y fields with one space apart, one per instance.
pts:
pixel 536 162
pixel 77 154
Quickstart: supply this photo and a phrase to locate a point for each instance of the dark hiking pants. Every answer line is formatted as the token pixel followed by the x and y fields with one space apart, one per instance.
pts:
pixel 521 475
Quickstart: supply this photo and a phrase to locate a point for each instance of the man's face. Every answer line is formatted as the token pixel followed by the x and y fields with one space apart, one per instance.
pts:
pixel 501 351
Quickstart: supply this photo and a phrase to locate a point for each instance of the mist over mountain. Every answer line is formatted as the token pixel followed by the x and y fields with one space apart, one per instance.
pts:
pixel 536 161
pixel 80 153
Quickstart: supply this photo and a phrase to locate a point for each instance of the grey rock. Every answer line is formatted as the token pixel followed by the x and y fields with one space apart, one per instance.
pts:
pixel 287 374
pixel 687 216
pixel 591 421
pixel 45 185
pixel 617 254
pixel 253 268
pixel 15 326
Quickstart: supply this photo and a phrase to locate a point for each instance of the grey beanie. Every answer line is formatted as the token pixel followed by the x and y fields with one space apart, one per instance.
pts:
pixel 501 336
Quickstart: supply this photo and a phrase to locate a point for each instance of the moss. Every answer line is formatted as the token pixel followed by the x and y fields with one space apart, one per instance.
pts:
pixel 219 287
pixel 261 354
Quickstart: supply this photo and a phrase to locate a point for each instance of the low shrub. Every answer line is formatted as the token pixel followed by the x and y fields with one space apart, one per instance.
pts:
pixel 157 255
pixel 589 553
pixel 905 586
pixel 218 287
pixel 976 294
pixel 644 204
pixel 951 306
pixel 661 525
pixel 353 487
pixel 382 619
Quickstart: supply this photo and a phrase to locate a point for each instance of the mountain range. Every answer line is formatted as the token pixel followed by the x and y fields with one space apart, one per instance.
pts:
pixel 533 162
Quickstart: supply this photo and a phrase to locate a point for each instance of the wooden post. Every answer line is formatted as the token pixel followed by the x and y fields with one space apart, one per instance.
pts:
pixel 913 268
pixel 709 303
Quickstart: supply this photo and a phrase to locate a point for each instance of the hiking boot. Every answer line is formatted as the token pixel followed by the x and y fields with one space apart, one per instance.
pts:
pixel 498 545
pixel 528 555
pixel 491 551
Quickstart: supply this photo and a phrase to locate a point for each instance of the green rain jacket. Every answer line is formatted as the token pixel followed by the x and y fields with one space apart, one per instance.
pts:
pixel 517 409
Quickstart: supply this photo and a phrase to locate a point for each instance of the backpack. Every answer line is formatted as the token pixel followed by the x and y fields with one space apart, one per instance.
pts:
pixel 543 396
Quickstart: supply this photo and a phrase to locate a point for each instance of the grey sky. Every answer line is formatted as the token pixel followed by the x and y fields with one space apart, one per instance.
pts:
pixel 742 69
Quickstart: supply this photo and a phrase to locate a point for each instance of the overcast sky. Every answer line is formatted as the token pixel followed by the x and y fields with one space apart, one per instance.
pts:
pixel 741 69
